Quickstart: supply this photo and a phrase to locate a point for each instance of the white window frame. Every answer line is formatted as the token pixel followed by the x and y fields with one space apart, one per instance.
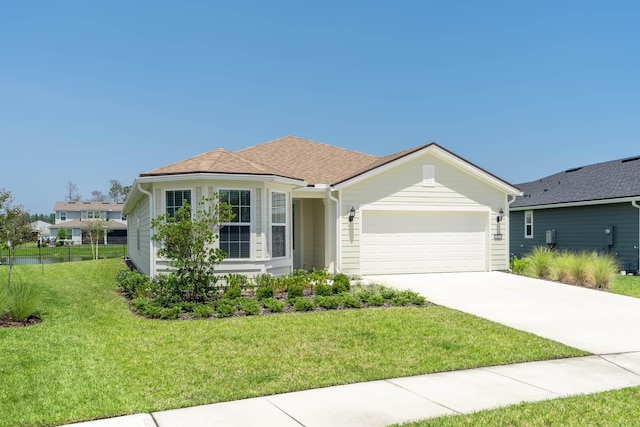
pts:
pixel 175 208
pixel 63 216
pixel 529 215
pixel 274 223
pixel 235 222
pixel 94 215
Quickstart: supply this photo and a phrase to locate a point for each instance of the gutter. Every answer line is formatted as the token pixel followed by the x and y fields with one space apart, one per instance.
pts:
pixel 635 204
pixel 152 266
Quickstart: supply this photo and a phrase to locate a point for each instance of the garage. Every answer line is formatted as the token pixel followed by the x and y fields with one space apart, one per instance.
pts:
pixel 395 242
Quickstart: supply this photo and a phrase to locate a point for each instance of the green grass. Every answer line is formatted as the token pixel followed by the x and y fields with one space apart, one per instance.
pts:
pixel 611 408
pixel 91 358
pixel 31 249
pixel 626 285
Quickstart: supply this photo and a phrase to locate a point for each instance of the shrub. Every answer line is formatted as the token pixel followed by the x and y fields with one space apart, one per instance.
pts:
pixel 147 307
pixel 319 276
pixel 578 268
pixel 350 301
pixel 21 301
pixel 170 313
pixel 518 265
pixel 264 292
pixel 540 262
pixel 273 305
pixel 341 283
pixel 329 302
pixel 233 291
pixel 323 289
pixel 295 290
pixel 135 284
pixel 303 304
pixel 226 308
pixel 250 306
pixel 202 311
pixel 602 269
pixel 371 298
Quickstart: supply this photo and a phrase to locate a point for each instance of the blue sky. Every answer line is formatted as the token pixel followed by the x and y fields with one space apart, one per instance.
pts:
pixel 98 90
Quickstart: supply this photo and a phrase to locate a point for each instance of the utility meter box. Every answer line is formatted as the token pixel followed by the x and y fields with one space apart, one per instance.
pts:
pixel 551 237
pixel 608 236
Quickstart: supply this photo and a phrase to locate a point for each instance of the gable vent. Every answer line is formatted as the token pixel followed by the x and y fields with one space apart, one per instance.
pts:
pixel 572 170
pixel 630 159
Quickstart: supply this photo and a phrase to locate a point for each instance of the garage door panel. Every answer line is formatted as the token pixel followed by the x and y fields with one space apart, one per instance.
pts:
pixel 422 242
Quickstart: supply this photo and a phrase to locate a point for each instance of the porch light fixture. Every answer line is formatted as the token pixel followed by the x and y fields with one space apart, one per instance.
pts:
pixel 352 214
pixel 500 216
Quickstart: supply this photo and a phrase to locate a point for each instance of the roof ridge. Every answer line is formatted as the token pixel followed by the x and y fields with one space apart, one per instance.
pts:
pixel 308 140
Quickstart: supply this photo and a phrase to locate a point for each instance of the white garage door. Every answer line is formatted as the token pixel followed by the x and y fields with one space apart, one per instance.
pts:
pixel 395 242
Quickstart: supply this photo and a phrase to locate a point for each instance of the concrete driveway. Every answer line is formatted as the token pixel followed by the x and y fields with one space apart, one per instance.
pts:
pixel 594 321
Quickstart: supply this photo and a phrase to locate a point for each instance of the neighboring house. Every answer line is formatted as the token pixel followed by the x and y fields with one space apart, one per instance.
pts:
pixel 594 208
pixel 41 228
pixel 72 215
pixel 302 204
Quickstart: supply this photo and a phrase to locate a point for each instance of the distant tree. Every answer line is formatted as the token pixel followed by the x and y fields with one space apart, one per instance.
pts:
pixel 125 192
pixel 116 190
pixel 73 195
pixel 94 230
pixel 62 235
pixel 15 227
pixel 50 218
pixel 98 196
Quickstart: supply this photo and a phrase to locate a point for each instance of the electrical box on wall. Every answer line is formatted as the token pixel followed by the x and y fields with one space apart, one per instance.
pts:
pixel 551 237
pixel 608 236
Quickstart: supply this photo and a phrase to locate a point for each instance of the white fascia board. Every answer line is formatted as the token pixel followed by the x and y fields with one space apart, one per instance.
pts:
pixel 575 204
pixel 424 208
pixel 314 192
pixel 454 161
pixel 222 177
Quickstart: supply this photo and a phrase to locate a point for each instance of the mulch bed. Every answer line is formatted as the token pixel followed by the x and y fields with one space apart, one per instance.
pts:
pixel 5 322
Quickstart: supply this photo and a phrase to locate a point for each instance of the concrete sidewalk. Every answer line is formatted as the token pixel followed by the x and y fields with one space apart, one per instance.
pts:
pixel 380 403
pixel 598 322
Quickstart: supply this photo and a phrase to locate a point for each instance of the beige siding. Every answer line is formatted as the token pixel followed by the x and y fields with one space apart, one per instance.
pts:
pixel 313 234
pixel 138 226
pixel 402 186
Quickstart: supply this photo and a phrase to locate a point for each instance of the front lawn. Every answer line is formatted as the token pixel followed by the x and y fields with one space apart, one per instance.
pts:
pixel 92 358
pixel 626 285
pixel 611 408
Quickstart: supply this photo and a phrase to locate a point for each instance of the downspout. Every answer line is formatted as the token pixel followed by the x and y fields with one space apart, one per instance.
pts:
pixel 508 231
pixel 152 253
pixel 635 204
pixel 336 265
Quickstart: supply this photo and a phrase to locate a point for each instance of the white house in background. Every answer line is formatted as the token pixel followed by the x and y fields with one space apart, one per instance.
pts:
pixel 71 215
pixel 41 228
pixel 305 204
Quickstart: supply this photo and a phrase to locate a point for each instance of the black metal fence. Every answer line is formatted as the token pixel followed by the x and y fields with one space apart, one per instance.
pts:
pixel 54 254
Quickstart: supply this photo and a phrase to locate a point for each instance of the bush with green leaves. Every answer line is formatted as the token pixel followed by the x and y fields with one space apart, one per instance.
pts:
pixel 249 306
pixel 518 265
pixel 135 284
pixel 226 307
pixel 330 302
pixel 264 291
pixel 370 297
pixel 341 283
pixel 202 311
pixel 323 289
pixel 540 262
pixel 273 305
pixel 233 291
pixel 156 309
pixel 303 304
pixel 350 301
pixel 187 239
pixel 295 290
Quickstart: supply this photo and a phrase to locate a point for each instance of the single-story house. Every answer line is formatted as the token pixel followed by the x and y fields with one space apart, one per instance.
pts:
pixel 72 216
pixel 594 208
pixel 41 228
pixel 303 204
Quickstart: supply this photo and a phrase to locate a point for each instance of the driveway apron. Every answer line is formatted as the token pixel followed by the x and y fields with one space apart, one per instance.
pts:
pixel 590 320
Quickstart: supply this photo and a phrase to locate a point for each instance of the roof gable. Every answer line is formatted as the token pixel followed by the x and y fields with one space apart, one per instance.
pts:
pixel 601 181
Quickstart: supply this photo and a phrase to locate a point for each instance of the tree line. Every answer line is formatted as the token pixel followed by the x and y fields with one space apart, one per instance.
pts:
pixel 117 193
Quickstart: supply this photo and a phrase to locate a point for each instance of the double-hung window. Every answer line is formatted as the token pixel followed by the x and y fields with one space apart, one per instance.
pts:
pixel 528 224
pixel 175 199
pixel 235 236
pixel 63 216
pixel 278 224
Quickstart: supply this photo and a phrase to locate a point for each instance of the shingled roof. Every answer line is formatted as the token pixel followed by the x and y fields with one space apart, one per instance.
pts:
pixel 601 181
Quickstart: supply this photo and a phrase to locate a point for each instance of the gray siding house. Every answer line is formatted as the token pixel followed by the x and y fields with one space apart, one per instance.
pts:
pixel 594 207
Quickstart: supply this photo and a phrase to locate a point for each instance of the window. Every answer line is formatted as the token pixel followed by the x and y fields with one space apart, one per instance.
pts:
pixel 93 215
pixel 235 237
pixel 175 198
pixel 63 216
pixel 528 224
pixel 278 224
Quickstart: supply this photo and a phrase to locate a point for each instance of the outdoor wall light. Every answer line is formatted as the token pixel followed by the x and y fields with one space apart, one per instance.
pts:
pixel 499 217
pixel 352 214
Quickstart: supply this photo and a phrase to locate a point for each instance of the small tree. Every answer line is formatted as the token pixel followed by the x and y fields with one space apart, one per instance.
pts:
pixel 15 227
pixel 94 230
pixel 187 239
